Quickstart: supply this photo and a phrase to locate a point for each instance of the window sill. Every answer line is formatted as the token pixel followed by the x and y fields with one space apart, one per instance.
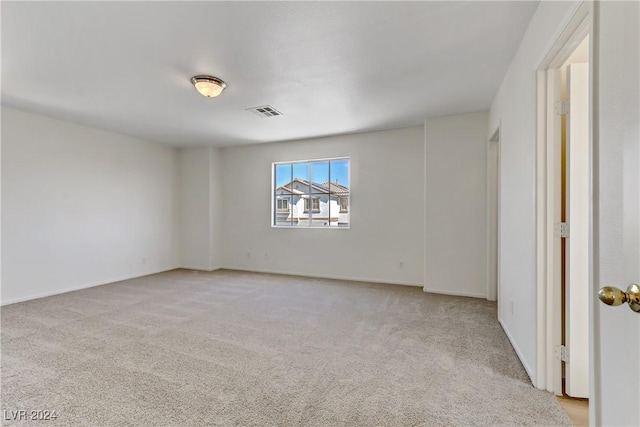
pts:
pixel 315 227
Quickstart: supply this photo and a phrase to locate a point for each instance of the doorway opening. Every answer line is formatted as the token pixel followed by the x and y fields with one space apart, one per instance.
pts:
pixel 573 113
pixel 564 210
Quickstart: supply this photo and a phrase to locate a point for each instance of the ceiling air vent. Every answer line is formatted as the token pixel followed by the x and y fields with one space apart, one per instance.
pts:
pixel 265 111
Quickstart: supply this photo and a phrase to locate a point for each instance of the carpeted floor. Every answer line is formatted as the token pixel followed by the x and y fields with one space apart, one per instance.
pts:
pixel 231 348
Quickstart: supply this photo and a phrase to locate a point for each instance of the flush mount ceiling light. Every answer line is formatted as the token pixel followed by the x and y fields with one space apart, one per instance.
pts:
pixel 208 86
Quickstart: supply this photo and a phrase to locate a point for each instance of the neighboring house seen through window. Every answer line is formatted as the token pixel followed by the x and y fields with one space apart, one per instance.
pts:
pixel 311 193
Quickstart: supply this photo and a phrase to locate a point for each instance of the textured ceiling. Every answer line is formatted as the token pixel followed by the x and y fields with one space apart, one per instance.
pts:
pixel 329 67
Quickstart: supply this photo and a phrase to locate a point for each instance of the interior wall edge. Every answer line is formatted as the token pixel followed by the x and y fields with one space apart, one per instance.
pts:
pixel 427 290
pixel 80 287
pixel 516 348
pixel 322 276
pixel 203 269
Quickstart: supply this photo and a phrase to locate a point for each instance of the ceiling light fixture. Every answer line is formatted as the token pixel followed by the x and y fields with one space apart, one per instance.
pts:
pixel 208 86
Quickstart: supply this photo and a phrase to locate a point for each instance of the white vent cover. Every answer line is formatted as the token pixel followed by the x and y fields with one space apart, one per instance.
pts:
pixel 265 111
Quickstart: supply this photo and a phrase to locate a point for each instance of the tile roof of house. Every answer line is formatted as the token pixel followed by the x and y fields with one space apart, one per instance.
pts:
pixel 316 188
pixel 290 190
pixel 336 188
pixel 325 188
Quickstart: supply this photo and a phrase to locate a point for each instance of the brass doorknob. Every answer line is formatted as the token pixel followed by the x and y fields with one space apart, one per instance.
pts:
pixel 613 296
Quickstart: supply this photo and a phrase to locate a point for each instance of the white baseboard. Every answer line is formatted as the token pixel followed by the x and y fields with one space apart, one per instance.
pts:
pixel 518 352
pixel 322 276
pixel 77 288
pixel 455 293
pixel 207 269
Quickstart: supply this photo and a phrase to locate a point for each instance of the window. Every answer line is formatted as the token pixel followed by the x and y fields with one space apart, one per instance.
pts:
pixel 311 193
pixel 282 204
pixel 344 204
pixel 315 202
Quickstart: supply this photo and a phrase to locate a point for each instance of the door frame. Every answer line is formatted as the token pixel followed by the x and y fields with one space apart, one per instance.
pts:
pixel 548 200
pixel 493 214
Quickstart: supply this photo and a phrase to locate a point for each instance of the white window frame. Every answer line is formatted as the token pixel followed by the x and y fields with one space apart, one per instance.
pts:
pixel 310 161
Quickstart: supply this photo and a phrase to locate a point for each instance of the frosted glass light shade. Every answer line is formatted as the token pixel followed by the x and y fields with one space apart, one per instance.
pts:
pixel 208 86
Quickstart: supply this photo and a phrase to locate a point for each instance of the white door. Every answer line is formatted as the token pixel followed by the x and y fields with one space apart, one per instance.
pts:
pixel 617 216
pixel 577 245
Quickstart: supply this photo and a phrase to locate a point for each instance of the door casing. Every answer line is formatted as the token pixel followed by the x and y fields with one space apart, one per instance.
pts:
pixel 548 200
pixel 493 215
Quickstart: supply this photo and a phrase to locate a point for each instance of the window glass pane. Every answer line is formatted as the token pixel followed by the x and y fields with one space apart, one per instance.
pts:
pixel 319 175
pixel 296 209
pixel 282 175
pixel 283 210
pixel 334 211
pixel 319 209
pixel 300 182
pixel 343 217
pixel 340 192
pixel 340 173
pixel 282 195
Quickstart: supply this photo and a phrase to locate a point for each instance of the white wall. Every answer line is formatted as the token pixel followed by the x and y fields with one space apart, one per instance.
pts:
pixel 514 108
pixel 387 210
pixel 82 206
pixel 200 208
pixel 456 205
pixel 89 207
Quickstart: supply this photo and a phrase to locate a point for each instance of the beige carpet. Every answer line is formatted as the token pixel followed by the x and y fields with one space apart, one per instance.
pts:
pixel 231 348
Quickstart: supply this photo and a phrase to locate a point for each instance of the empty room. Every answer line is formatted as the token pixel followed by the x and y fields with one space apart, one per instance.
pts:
pixel 320 213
